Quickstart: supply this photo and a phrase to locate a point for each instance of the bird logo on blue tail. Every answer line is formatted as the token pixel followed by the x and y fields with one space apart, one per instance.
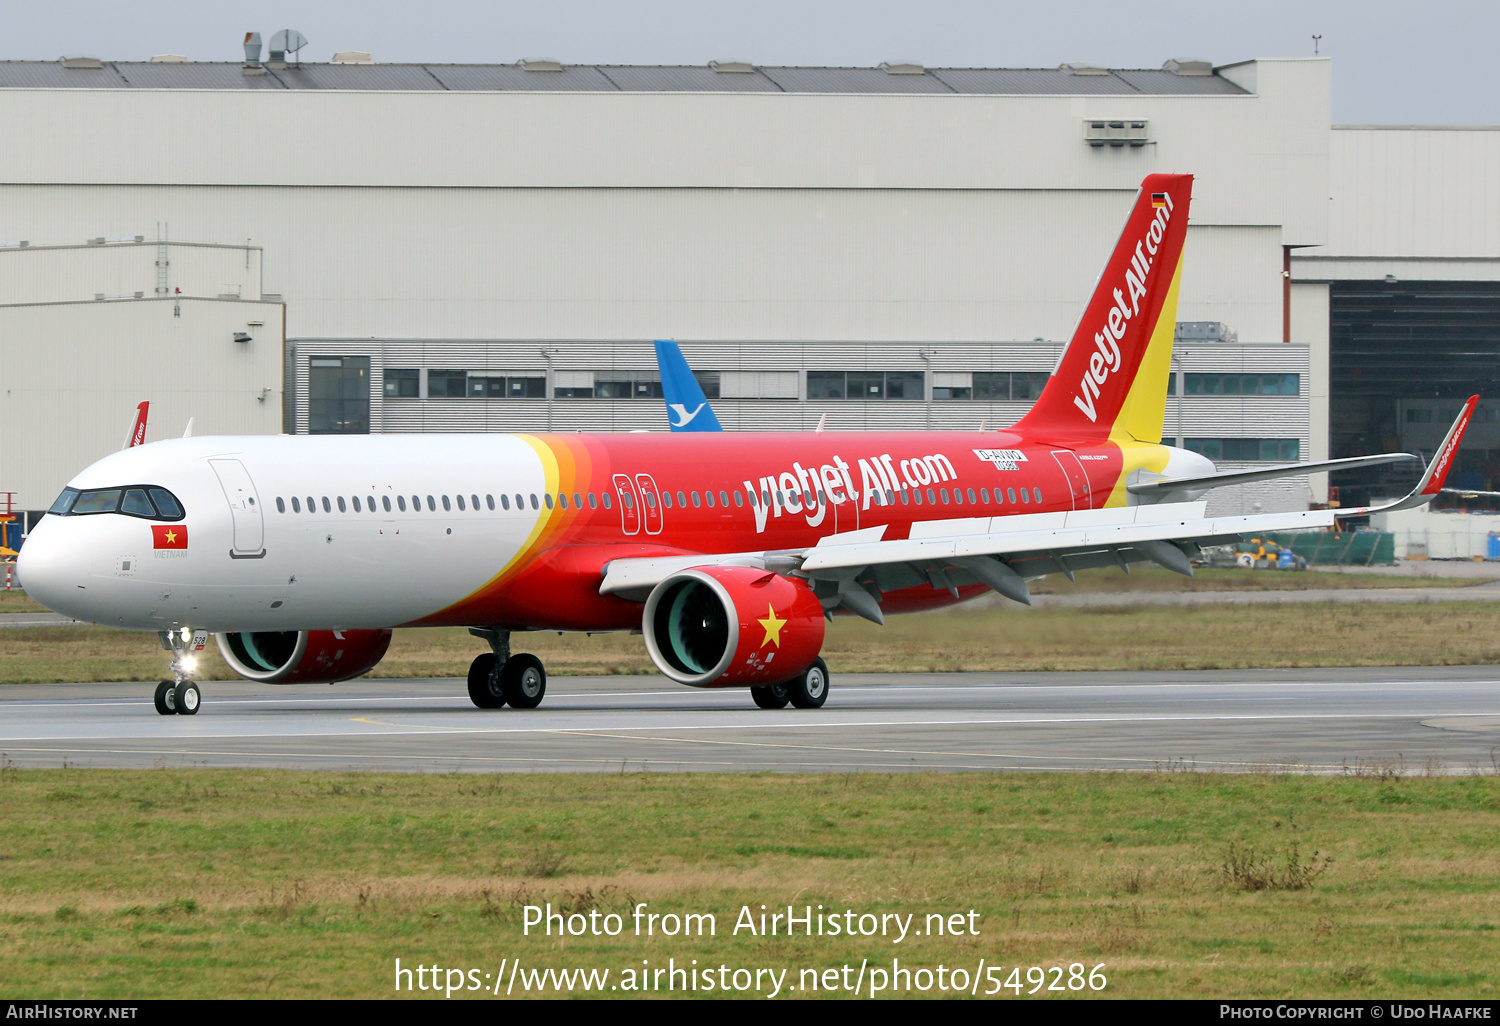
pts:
pixel 687 406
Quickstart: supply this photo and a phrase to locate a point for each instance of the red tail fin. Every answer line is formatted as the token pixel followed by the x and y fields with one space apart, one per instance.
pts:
pixel 138 429
pixel 1114 372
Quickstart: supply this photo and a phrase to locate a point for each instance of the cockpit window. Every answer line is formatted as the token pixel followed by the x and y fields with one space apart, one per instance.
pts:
pixel 103 500
pixel 145 501
pixel 166 504
pixel 136 504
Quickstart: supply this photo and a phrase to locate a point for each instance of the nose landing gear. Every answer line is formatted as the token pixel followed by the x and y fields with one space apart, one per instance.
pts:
pixel 180 696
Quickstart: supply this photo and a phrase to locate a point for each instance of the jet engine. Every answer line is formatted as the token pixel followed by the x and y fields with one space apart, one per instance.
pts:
pixel 729 626
pixel 303 657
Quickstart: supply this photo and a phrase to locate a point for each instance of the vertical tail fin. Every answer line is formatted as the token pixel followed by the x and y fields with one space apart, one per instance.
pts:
pixel 137 434
pixel 1112 378
pixel 687 407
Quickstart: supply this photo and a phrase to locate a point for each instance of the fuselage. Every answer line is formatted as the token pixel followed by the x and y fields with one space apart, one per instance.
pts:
pixel 345 532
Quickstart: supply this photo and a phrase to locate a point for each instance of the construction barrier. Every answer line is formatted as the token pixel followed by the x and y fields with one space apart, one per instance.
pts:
pixel 1343 548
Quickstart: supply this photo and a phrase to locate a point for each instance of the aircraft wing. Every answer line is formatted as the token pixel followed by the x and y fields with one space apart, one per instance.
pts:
pixel 1162 488
pixel 853 570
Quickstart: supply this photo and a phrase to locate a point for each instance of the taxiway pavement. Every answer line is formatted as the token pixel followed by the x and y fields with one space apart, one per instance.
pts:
pixel 1413 720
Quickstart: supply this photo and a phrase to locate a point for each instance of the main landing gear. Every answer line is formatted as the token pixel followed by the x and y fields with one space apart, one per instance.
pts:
pixel 180 696
pixel 497 678
pixel 807 690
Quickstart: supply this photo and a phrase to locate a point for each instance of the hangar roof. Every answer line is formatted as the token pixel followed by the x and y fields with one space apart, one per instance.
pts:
pixel 608 78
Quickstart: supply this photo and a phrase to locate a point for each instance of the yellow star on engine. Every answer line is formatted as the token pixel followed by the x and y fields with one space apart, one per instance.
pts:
pixel 171 537
pixel 772 625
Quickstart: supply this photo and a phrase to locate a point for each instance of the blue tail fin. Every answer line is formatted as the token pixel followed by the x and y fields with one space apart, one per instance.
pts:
pixel 687 408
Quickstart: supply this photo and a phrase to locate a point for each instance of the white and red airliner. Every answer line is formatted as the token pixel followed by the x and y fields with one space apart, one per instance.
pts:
pixel 727 550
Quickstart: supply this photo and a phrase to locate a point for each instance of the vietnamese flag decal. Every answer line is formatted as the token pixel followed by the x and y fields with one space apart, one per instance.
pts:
pixel 168 536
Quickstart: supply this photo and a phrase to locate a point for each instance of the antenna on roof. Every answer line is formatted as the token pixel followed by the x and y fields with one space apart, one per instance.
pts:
pixel 1316 40
pixel 287 41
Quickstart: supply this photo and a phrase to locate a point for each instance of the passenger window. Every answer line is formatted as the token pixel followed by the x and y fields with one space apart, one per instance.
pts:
pixel 958 496
pixel 328 506
pixel 666 500
pixel 343 508
pixel 296 506
pixel 628 501
pixel 504 501
pixel 944 493
pixel 916 494
pixel 577 501
pixel 682 499
pixel 739 497
pixel 312 504
pixel 447 506
pixel 708 499
pixel 489 501
pixel 461 503
pixel 432 504
pixel 1024 497
pixel 650 499
pixel 696 500
pixel 593 501
pixel 971 495
pixel 931 497
pixel 724 499
pixel 984 496
pixel 137 504
pixel 605 501
pixel 280 505
pixel 520 502
pixel 905 499
pixel 401 503
pixel 1010 494
pixel 473 501
pixel 534 503
pixel 562 499
pixel 385 500
pixel 1036 493
pixel 547 496
pixel 416 504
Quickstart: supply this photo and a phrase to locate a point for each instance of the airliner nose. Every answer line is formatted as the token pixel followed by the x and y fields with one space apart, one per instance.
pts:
pixel 45 567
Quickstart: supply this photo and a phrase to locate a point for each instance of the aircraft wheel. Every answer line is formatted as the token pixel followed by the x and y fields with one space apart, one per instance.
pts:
pixel 809 689
pixel 524 681
pixel 164 698
pixel 771 696
pixel 484 688
pixel 186 699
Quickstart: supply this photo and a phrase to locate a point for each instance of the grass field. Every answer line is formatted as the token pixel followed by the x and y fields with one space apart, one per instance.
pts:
pixel 996 638
pixel 259 883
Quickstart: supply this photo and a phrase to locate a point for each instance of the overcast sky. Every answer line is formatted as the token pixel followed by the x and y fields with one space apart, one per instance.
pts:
pixel 1393 63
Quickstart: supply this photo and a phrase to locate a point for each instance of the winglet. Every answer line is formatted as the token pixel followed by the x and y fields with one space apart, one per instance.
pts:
pixel 138 429
pixel 1437 470
pixel 687 407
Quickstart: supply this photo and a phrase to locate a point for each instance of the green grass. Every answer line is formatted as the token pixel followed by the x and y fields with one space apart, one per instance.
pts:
pixel 1155 579
pixel 1009 637
pixel 230 883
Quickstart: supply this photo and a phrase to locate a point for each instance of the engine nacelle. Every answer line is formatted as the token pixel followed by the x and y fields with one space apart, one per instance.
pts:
pixel 729 626
pixel 303 657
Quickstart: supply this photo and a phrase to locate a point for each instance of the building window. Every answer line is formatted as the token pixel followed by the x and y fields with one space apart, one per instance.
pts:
pixel 338 391
pixel 509 386
pixel 709 382
pixel 1247 450
pixel 402 384
pixel 447 384
pixel 867 385
pixel 996 386
pixel 1236 384
pixel 1419 415
pixel 627 385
